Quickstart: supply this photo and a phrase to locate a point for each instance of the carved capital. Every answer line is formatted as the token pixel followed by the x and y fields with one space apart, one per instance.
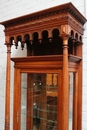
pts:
pixel 8 47
pixel 7 39
pixel 65 39
pixel 65 29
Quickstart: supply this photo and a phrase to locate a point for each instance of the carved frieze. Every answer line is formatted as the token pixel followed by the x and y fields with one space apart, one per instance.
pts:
pixel 47 22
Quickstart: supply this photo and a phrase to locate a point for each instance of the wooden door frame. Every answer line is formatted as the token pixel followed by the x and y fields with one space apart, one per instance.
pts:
pixel 17 98
pixel 17 94
pixel 77 97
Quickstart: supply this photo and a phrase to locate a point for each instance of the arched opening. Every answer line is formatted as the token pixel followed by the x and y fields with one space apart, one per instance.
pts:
pixel 80 39
pixel 47 47
pixel 19 38
pixel 72 34
pixel 35 37
pixel 70 45
pixel 56 44
pixel 26 38
pixel 45 35
pixel 76 36
pixel 55 33
pixel 12 40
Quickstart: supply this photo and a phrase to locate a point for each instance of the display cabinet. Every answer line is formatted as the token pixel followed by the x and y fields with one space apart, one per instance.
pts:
pixel 39 96
pixel 48 81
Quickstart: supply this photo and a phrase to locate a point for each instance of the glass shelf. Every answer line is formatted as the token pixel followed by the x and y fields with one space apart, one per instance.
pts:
pixel 54 112
pixel 23 110
pixel 45 88
pixel 45 119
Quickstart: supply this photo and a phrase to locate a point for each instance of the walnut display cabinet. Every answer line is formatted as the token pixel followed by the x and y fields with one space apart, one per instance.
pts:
pixel 48 81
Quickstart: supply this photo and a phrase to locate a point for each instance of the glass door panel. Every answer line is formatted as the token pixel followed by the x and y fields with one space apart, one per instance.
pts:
pixel 71 99
pixel 39 101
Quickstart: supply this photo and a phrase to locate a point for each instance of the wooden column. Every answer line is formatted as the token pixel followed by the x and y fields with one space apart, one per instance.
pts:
pixel 7 100
pixel 65 87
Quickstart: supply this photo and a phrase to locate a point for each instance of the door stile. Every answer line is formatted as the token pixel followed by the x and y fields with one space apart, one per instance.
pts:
pixel 59 116
pixel 17 96
pixel 75 101
pixel 29 122
pixel 79 109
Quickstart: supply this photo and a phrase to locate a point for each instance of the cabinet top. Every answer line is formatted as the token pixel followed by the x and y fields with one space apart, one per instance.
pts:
pixel 60 9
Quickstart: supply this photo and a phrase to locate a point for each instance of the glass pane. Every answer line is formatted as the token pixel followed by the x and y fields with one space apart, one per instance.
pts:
pixel 71 89
pixel 23 101
pixel 39 93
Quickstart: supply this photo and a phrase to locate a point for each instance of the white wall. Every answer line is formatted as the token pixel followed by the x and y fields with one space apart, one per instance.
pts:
pixel 13 8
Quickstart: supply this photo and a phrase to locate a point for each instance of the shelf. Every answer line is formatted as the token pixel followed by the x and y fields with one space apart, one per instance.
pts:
pixel 45 119
pixel 23 111
pixel 48 114
pixel 52 94
pixel 49 92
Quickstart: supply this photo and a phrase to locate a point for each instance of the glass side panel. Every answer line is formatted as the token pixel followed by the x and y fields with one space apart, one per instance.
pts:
pixel 71 89
pixel 23 101
pixel 39 105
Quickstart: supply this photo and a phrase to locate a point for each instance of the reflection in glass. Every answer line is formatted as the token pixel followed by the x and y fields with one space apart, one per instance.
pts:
pixel 39 93
pixel 71 89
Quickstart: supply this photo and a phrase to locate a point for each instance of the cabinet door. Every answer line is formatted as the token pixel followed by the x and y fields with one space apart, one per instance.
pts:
pixel 36 99
pixel 39 94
